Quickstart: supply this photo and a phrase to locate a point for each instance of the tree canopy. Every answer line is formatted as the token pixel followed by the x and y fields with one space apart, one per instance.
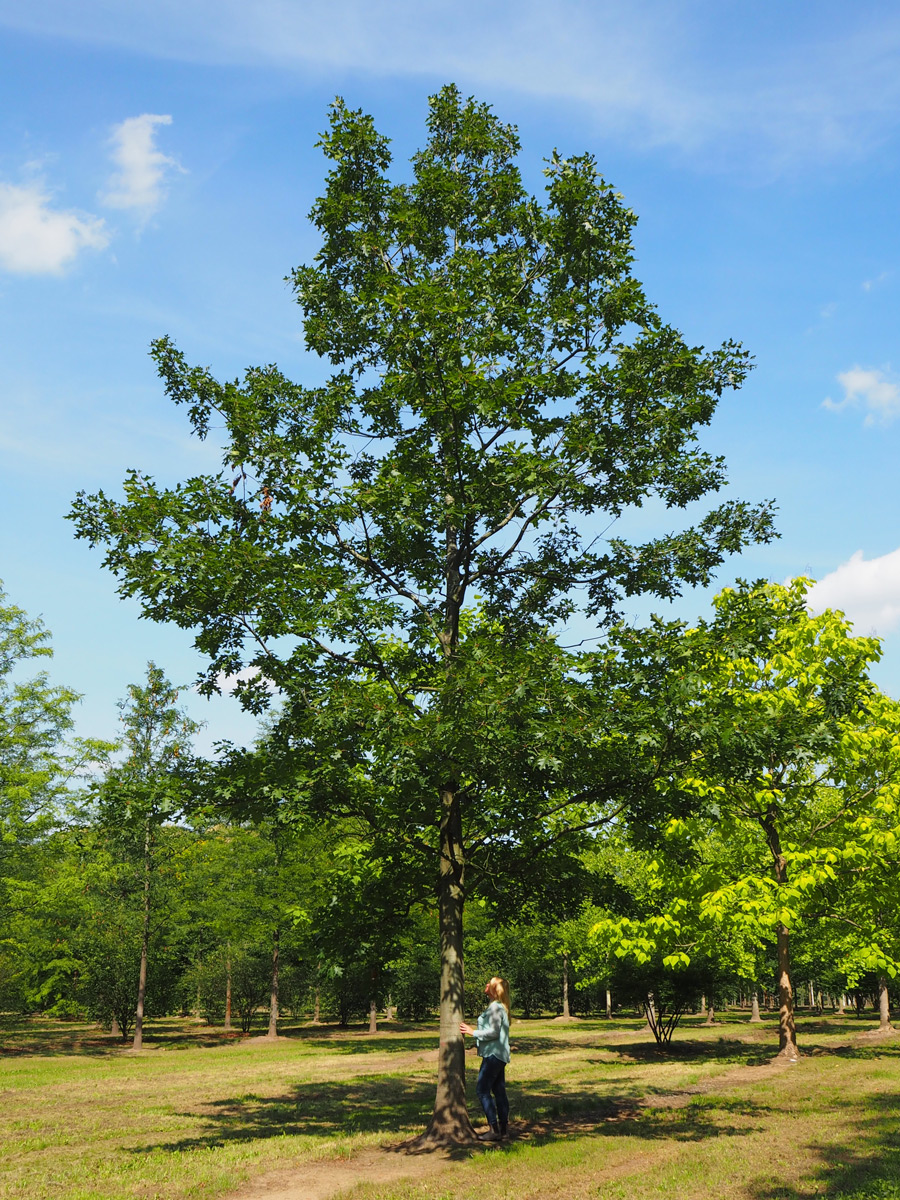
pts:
pixel 392 549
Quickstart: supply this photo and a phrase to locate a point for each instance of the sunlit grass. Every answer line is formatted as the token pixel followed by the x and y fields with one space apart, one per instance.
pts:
pixel 601 1111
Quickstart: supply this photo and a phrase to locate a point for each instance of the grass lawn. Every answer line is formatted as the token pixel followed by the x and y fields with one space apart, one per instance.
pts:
pixel 598 1112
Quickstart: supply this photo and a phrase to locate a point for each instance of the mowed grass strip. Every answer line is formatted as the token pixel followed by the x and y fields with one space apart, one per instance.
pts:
pixel 599 1110
pixel 92 1120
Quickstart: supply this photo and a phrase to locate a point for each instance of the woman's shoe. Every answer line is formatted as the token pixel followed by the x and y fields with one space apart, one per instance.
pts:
pixel 491 1134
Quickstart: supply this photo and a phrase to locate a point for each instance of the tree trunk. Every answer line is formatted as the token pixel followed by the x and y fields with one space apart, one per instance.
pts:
pixel 565 1011
pixel 316 1010
pixel 273 999
pixel 450 1124
pixel 812 995
pixel 884 1004
pixel 114 1029
pixel 650 1014
pixel 755 1018
pixel 373 1016
pixel 711 1013
pixel 228 987
pixel 702 1006
pixel 145 941
pixel 787 1031
pixel 842 1004
pixel 608 1005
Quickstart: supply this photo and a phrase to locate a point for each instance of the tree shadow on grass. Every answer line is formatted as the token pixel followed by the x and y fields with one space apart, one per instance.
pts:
pixel 548 1112
pixel 725 1050
pixel 876 1048
pixel 373 1043
pixel 543 1112
pixel 864 1165
pixel 47 1037
pixel 31 1037
pixel 364 1104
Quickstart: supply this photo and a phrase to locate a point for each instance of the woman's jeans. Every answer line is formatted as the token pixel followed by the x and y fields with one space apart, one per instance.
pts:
pixel 492 1078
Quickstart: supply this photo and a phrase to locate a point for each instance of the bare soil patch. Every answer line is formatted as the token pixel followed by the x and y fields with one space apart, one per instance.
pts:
pixel 322 1180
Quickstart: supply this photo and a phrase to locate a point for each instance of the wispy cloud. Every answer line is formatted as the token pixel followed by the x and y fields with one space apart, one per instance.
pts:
pixel 727 82
pixel 38 239
pixel 869 389
pixel 867 590
pixel 869 284
pixel 139 182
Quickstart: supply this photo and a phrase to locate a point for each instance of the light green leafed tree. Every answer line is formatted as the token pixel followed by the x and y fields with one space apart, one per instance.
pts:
pixel 35 717
pixel 144 790
pixel 782 756
pixel 40 761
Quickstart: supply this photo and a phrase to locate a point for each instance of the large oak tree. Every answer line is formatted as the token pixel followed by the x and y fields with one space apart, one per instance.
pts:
pixel 390 549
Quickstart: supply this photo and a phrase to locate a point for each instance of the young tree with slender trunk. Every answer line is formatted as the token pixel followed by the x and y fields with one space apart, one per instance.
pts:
pixel 755 1018
pixel 781 802
pixel 144 790
pixel 39 762
pixel 389 548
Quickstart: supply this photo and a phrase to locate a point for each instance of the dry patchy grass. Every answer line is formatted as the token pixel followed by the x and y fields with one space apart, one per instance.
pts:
pixel 599 1111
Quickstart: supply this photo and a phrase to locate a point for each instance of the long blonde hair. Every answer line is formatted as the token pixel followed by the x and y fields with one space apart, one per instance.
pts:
pixel 500 988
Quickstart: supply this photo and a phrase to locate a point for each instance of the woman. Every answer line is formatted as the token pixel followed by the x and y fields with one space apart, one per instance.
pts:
pixel 492 1036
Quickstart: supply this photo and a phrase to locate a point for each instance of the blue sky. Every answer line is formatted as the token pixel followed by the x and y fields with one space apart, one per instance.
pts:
pixel 157 161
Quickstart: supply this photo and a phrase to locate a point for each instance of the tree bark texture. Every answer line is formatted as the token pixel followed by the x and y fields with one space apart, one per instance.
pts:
pixel 373 1016
pixel 450 1123
pixel 145 942
pixel 565 981
pixel 608 1004
pixel 787 1030
pixel 755 1018
pixel 273 998
pixel 228 987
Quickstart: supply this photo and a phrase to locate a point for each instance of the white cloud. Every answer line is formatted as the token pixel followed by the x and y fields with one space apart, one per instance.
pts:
pixel 36 239
pixel 228 683
pixel 139 181
pixel 867 590
pixel 732 82
pixel 870 389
